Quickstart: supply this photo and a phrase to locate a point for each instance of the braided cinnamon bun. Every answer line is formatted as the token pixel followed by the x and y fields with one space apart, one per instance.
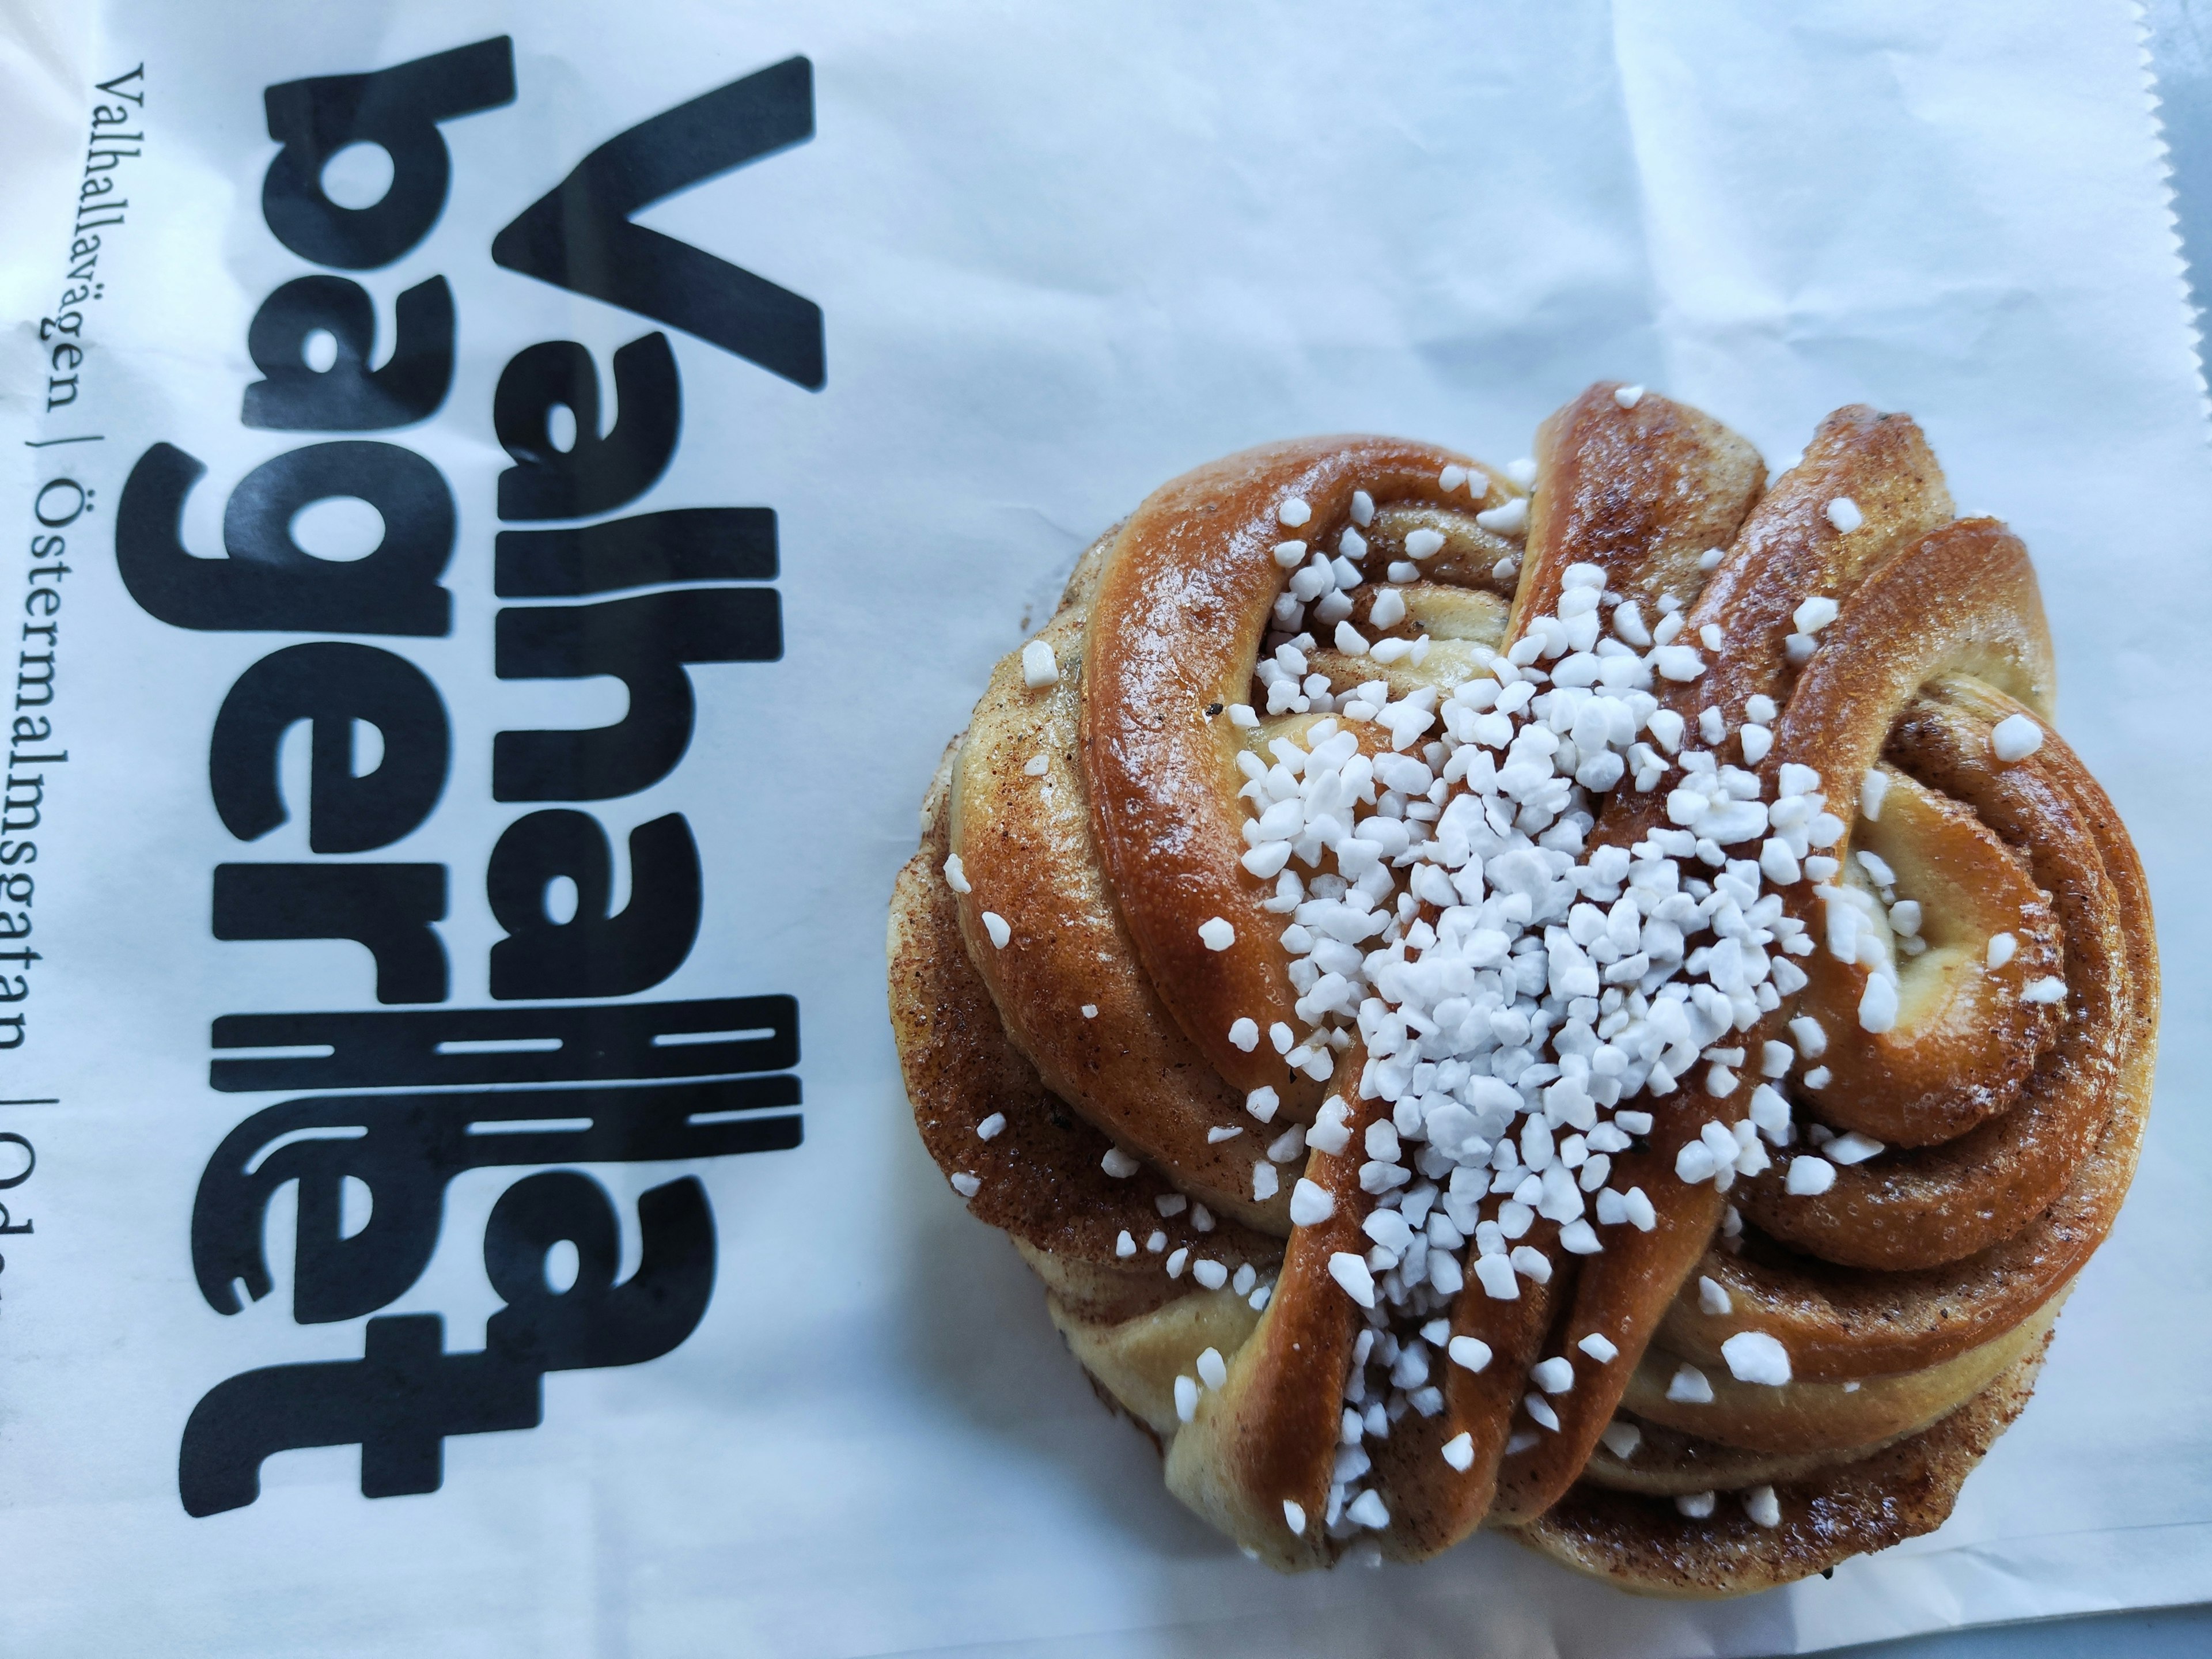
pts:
pixel 1588 999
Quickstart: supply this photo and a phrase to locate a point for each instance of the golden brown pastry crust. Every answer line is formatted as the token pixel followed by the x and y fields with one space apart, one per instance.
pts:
pixel 1179 614
pixel 1642 1544
pixel 1039 1180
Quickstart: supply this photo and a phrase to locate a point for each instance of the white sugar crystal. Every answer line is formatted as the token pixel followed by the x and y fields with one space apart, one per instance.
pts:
pixel 1816 614
pixel 1622 1439
pixel 1459 1451
pixel 1292 513
pixel 1265 1183
pixel 1628 396
pixel 1294 1517
pixel 1499 1282
pixel 1710 559
pixel 1763 1507
pixel 1186 1398
pixel 1118 1163
pixel 1794 780
pixel 1125 1246
pixel 1209 1273
pixel 1712 1298
pixel 1369 1511
pixel 1363 508
pixel 1510 520
pixel 1216 934
pixel 1677 663
pixel 991 1127
pixel 1424 544
pixel 995 926
pixel 1531 1264
pixel 1810 1176
pixel 1263 1102
pixel 1451 478
pixel 1874 789
pixel 1330 1133
pixel 1468 1353
pixel 2015 737
pixel 1245 1034
pixel 1310 1204
pixel 1688 1386
pixel 1852 1148
pixel 1878 1005
pixel 966 1185
pixel 2048 989
pixel 1350 1272
pixel 1378 1177
pixel 2002 947
pixel 1844 513
pixel 1038 668
pixel 1523 472
pixel 1755 1357
pixel 1695 1505
pixel 1553 1375
pixel 955 876
pixel 1598 1347
pixel 1211 1370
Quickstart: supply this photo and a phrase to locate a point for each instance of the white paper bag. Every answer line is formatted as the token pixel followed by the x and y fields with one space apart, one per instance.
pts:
pixel 897 307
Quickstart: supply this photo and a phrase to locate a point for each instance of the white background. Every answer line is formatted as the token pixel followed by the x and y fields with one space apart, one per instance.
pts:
pixel 1062 259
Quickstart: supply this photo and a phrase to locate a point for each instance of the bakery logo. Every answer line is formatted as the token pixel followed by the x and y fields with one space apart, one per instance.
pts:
pixel 432 1091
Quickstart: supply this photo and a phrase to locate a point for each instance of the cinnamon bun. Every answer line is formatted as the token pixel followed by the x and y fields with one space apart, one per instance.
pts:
pixel 1586 999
